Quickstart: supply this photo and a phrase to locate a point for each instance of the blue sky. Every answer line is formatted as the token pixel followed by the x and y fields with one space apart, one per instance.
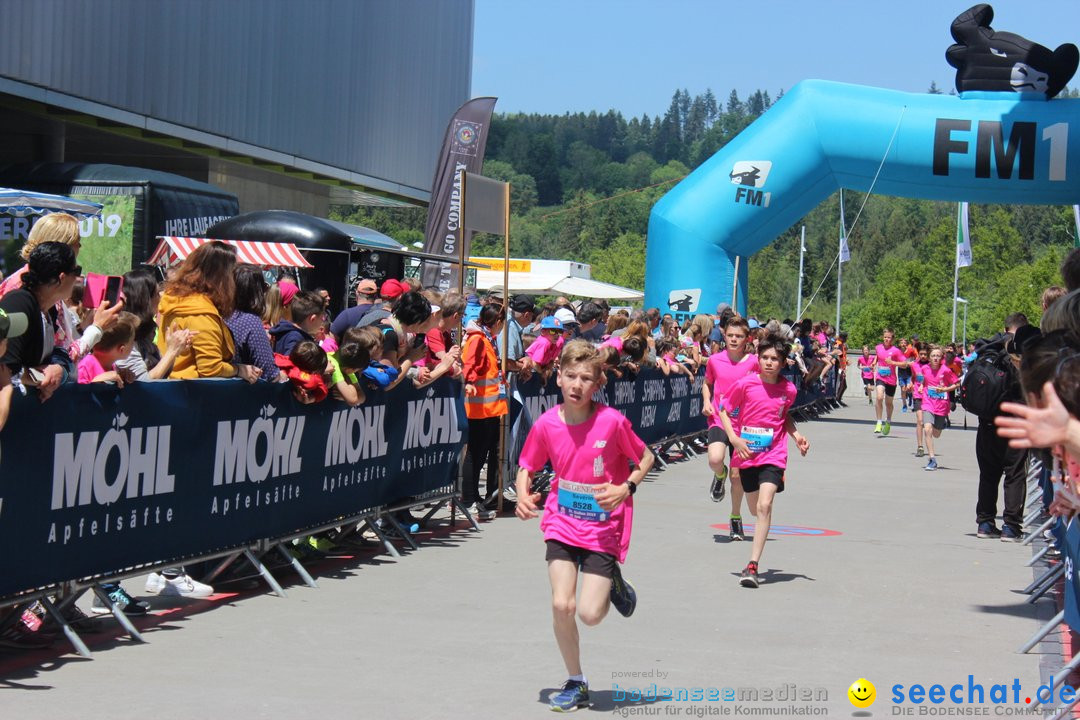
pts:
pixel 557 56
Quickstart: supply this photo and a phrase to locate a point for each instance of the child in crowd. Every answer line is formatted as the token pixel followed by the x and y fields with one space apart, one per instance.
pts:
pixel 348 361
pixel 938 381
pixel 306 313
pixel 115 344
pixel 305 367
pixel 589 511
pixel 756 419
pixel 667 363
pixel 11 326
pixel 866 369
pixel 547 346
pixel 377 375
pixel 609 360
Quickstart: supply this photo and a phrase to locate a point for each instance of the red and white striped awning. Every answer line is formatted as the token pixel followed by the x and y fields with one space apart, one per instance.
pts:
pixel 172 250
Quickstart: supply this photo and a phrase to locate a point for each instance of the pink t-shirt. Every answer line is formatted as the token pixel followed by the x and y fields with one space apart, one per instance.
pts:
pixel 89 368
pixel 886 373
pixel 543 351
pixel 584 457
pixel 866 366
pixel 614 341
pixel 935 401
pixel 758 412
pixel 721 373
pixel 918 380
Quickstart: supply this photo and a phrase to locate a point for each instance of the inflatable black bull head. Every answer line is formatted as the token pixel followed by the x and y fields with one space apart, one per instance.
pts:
pixel 986 59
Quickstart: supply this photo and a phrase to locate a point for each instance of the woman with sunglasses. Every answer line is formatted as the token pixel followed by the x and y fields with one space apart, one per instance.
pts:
pixel 49 276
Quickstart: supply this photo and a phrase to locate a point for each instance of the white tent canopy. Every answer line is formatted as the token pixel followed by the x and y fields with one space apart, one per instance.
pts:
pixel 555 277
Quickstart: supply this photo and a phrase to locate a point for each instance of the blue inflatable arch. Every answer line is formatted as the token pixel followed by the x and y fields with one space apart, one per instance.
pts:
pixel 981 147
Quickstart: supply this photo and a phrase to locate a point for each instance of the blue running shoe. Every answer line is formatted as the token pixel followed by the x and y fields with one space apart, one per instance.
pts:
pixel 932 465
pixel 623 595
pixel 987 531
pixel 1010 533
pixel 574 694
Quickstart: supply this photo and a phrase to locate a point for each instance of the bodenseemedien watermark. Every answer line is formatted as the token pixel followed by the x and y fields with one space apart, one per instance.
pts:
pixel 786 700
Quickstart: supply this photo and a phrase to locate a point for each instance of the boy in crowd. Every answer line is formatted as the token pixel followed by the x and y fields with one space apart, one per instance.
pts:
pixel 589 511
pixel 306 313
pixel 756 419
pixel 722 371
pixel 305 367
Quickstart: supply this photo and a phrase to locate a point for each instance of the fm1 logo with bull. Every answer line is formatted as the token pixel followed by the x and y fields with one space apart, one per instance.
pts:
pixel 750 177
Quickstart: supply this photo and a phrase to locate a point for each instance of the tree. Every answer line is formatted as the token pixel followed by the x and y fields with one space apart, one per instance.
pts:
pixel 622 262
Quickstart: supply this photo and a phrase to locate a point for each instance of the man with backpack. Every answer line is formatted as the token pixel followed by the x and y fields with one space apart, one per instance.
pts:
pixel 990 380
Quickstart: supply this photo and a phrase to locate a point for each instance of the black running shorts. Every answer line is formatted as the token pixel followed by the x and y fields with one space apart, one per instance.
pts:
pixel 938 421
pixel 753 477
pixel 916 404
pixel 590 561
pixel 890 390
pixel 717 434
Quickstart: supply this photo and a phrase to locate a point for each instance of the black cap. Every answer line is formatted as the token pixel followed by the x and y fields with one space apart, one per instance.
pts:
pixel 523 303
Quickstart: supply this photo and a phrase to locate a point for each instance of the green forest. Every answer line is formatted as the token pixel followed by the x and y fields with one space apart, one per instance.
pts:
pixel 583 184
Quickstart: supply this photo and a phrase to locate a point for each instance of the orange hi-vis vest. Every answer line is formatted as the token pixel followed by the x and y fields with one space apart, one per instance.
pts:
pixel 481 369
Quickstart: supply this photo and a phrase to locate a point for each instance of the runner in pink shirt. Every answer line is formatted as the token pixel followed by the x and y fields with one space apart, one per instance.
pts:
pixel 918 394
pixel 757 420
pixel 887 357
pixel 866 370
pixel 938 382
pixel 722 370
pixel 589 511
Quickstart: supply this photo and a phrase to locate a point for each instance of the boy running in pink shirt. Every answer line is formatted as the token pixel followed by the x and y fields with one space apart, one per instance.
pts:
pixel 887 358
pixel 722 371
pixel 589 511
pixel 755 417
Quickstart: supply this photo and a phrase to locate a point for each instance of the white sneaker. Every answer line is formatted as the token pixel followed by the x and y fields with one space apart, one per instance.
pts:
pixel 179 586
pixel 482 513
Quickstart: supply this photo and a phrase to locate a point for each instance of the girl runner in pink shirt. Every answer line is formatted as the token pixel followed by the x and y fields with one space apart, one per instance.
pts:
pixel 938 382
pixel 756 418
pixel 866 369
pixel 722 371
pixel 589 511
pixel 918 394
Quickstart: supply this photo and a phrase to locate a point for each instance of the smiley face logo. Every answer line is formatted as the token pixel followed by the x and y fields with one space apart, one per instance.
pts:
pixel 862 693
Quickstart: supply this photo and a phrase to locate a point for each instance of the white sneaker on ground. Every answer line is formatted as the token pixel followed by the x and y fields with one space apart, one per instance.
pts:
pixel 482 513
pixel 178 586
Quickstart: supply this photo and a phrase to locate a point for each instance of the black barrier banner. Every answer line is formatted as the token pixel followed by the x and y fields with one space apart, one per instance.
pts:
pixel 658 406
pixel 1072 582
pixel 98 479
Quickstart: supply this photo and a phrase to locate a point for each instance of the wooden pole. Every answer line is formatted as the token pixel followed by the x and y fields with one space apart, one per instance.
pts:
pixel 504 446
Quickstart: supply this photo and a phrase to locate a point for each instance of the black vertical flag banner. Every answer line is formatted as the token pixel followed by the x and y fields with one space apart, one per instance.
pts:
pixel 462 149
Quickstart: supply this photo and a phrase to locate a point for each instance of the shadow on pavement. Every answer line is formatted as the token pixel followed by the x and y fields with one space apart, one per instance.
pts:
pixel 599 700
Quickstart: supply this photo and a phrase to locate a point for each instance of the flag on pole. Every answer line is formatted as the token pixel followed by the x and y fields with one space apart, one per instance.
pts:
pixel 1076 216
pixel 963 239
pixel 462 149
pixel 845 252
